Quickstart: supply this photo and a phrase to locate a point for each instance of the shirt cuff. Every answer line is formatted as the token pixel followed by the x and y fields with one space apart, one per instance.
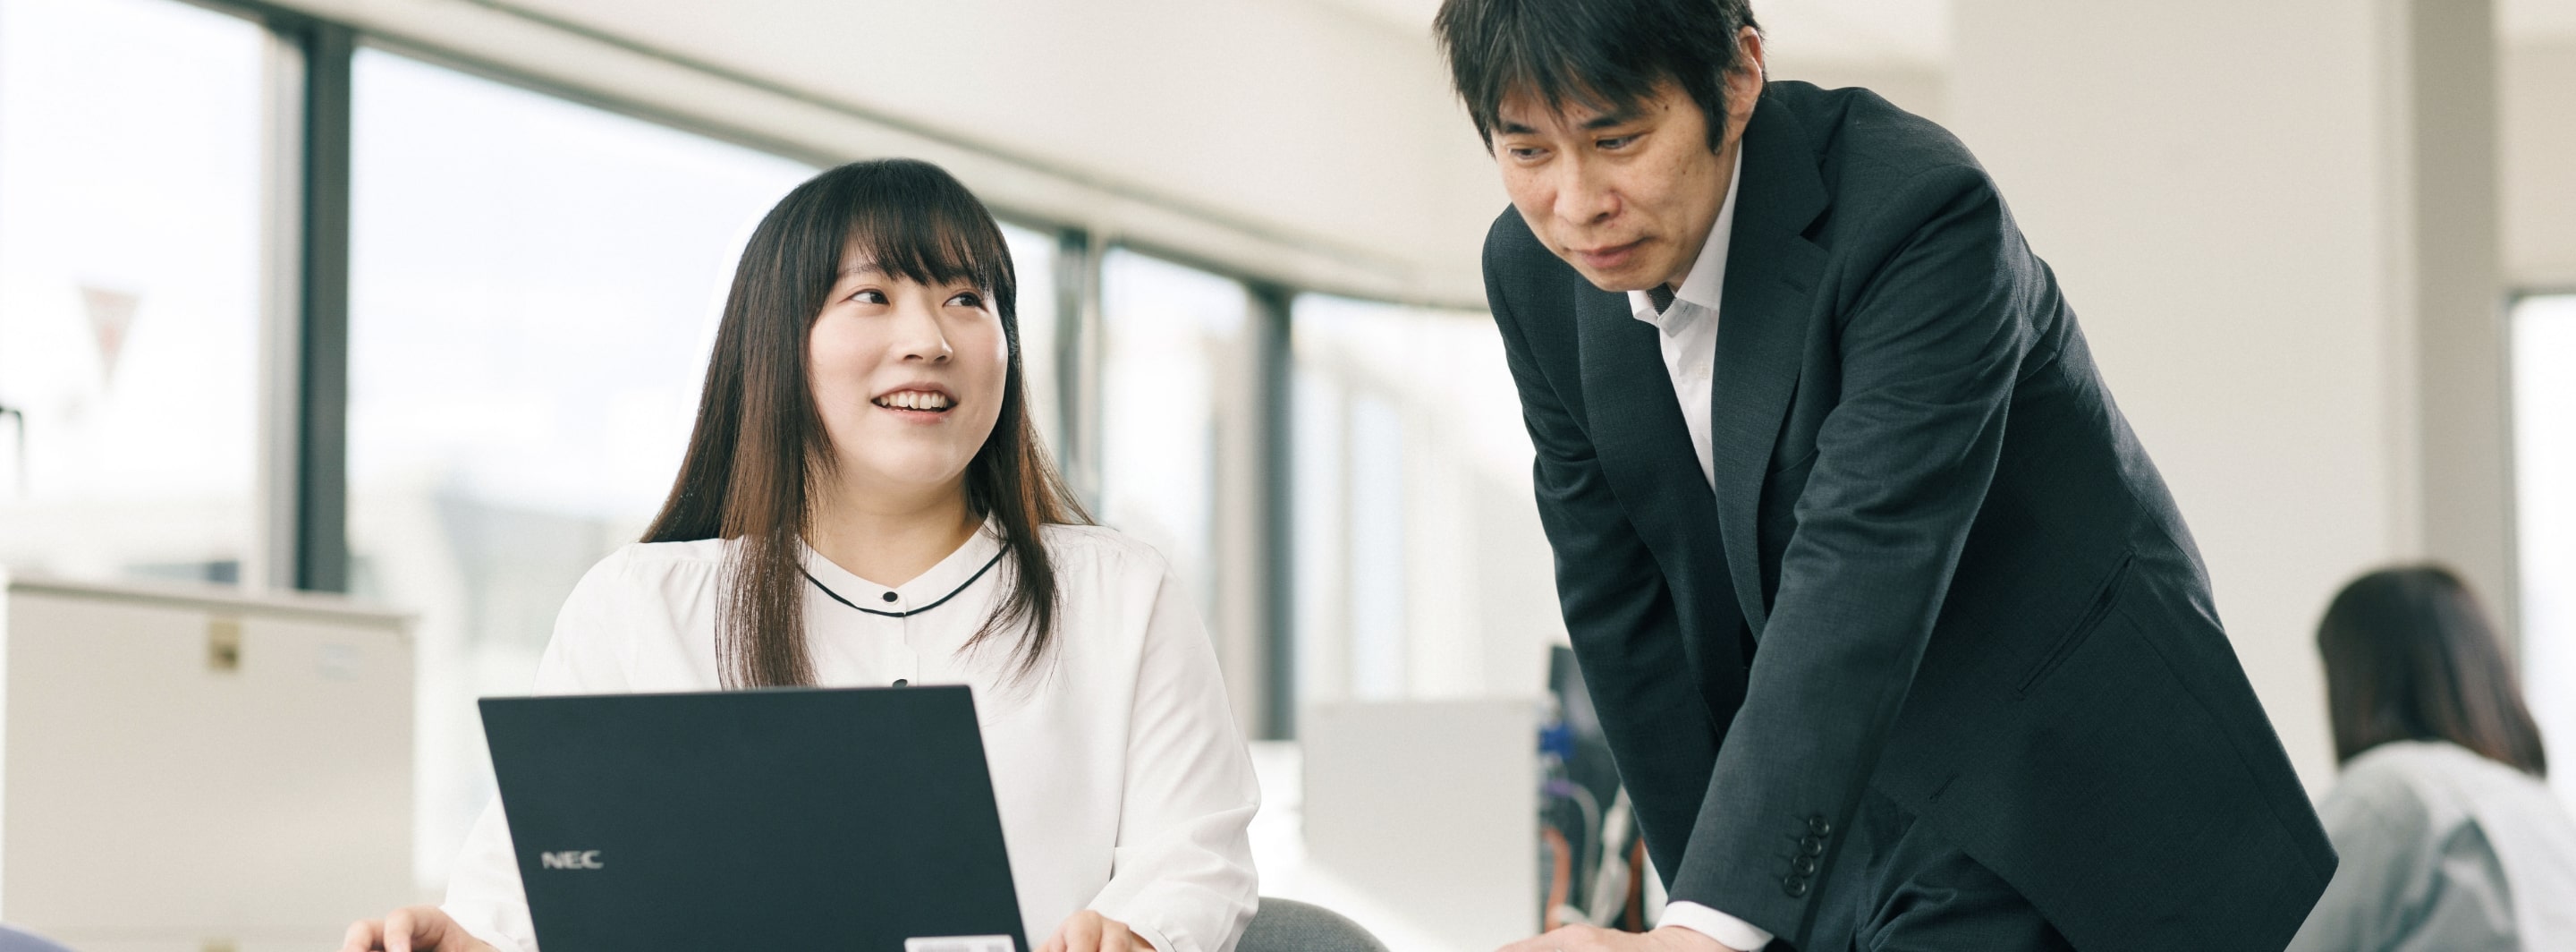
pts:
pixel 1729 931
pixel 1150 937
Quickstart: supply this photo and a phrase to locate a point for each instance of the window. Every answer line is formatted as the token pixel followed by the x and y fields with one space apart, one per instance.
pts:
pixel 1180 441
pixel 533 288
pixel 2544 400
pixel 131 169
pixel 1173 352
pixel 1033 261
pixel 1421 568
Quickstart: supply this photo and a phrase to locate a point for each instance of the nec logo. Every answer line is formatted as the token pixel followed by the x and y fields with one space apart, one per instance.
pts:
pixel 572 859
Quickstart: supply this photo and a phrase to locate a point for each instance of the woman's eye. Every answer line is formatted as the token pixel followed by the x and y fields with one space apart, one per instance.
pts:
pixel 869 296
pixel 967 299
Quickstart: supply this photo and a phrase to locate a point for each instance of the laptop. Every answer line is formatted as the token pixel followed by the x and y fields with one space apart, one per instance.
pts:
pixel 856 819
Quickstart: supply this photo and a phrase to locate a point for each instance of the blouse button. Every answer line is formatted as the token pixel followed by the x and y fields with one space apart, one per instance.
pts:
pixel 889 596
pixel 899 682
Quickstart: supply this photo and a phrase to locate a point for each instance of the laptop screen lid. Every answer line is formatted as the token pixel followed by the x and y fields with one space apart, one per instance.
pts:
pixel 848 819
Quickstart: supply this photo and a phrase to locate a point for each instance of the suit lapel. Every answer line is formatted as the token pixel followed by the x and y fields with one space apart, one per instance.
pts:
pixel 1645 452
pixel 1771 273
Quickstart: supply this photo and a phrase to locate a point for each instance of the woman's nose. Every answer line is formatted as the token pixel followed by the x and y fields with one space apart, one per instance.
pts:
pixel 918 336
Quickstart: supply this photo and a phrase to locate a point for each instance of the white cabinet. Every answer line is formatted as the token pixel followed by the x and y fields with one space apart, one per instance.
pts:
pixel 190 769
pixel 1429 809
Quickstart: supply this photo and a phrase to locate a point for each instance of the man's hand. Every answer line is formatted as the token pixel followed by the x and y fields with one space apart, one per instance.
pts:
pixel 1089 931
pixel 1597 939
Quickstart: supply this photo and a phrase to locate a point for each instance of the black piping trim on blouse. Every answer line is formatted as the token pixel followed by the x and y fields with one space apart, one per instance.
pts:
pixel 952 593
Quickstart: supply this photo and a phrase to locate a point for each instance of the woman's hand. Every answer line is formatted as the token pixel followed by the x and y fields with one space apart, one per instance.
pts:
pixel 418 929
pixel 1089 931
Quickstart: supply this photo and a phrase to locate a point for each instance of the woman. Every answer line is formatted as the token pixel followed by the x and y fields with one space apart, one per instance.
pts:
pixel 2449 839
pixel 865 502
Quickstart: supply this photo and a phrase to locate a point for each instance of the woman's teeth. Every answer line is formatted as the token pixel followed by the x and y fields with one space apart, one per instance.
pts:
pixel 914 400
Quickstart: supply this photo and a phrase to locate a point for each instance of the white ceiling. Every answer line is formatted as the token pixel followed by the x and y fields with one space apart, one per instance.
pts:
pixel 1916 33
pixel 1301 122
pixel 1888 32
pixel 1323 125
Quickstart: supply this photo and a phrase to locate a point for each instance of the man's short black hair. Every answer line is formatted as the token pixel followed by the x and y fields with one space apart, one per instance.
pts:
pixel 1605 54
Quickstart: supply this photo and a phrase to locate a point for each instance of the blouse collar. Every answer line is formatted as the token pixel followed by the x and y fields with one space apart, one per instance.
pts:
pixel 942 580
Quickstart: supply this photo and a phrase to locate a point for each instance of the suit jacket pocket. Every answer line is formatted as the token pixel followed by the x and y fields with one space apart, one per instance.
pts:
pixel 1807 458
pixel 2103 599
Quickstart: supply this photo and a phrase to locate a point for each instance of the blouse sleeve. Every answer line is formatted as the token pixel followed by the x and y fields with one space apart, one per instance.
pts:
pixel 1181 874
pixel 2409 876
pixel 2375 844
pixel 583 657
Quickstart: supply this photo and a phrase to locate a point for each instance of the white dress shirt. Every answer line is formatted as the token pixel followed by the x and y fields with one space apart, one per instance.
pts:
pixel 1122 783
pixel 1689 326
pixel 1689 339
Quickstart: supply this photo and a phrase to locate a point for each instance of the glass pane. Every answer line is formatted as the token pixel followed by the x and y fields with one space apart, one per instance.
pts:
pixel 534 285
pixel 1033 259
pixel 1421 568
pixel 130 188
pixel 1173 351
pixel 2544 409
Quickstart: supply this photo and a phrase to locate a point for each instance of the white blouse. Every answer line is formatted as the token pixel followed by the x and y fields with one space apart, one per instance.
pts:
pixel 2443 850
pixel 1122 783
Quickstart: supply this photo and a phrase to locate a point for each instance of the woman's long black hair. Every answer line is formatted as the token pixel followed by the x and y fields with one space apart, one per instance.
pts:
pixel 759 447
pixel 2410 655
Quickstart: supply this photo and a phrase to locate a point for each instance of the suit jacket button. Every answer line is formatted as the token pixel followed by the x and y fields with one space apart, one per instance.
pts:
pixel 1803 866
pixel 1817 825
pixel 1811 845
pixel 1795 886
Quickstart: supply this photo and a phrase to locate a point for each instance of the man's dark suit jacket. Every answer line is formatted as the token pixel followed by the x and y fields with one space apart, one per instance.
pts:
pixel 1936 563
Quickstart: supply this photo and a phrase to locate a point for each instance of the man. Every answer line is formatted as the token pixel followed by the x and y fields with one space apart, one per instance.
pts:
pixel 1898 638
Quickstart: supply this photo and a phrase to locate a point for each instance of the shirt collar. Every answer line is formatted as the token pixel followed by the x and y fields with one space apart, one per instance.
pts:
pixel 1705 284
pixel 942 579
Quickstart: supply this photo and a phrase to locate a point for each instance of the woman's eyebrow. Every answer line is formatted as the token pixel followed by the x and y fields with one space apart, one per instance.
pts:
pixel 862 269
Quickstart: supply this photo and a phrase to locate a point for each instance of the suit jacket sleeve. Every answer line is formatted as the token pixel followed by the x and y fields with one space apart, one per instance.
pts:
pixel 1929 336
pixel 1618 612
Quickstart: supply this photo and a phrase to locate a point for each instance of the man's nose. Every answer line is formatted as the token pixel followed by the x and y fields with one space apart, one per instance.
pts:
pixel 1582 197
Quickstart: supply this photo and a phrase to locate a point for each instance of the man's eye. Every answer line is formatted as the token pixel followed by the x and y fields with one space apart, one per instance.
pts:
pixel 1615 142
pixel 967 299
pixel 1525 153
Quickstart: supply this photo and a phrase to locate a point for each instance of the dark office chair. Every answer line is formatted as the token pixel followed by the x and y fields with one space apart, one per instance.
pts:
pixel 1285 925
pixel 12 940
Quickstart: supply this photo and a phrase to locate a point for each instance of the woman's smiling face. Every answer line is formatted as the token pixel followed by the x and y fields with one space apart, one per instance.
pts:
pixel 908 376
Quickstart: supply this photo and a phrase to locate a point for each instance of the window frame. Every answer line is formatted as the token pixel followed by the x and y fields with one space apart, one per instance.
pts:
pixel 305 394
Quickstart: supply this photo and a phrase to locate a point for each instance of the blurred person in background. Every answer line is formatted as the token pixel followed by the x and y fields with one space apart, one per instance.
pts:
pixel 2450 839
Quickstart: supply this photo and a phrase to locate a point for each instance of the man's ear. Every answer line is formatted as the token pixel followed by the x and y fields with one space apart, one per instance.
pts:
pixel 1744 82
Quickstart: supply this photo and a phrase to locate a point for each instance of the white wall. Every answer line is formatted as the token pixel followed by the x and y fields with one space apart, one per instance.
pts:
pixel 2539 139
pixel 2228 194
pixel 1918 88
pixel 2201 246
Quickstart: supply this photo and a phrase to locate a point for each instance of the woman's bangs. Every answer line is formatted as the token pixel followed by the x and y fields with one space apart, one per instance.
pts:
pixel 940 238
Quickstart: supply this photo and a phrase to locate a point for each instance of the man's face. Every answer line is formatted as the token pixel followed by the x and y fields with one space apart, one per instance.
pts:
pixel 1627 195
